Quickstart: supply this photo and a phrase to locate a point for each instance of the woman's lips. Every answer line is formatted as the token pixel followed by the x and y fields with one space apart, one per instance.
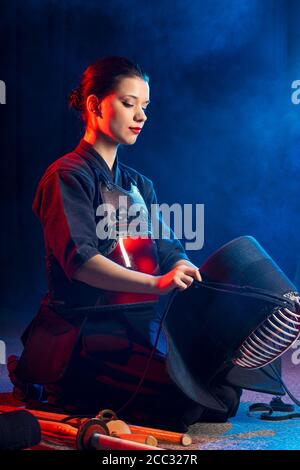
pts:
pixel 135 130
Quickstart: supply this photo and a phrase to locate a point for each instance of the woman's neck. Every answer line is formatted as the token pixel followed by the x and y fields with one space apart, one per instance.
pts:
pixel 107 149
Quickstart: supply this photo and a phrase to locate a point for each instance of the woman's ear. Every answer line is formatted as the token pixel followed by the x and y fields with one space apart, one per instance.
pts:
pixel 93 105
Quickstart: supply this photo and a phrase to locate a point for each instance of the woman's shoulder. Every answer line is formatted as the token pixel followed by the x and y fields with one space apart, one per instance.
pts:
pixel 71 164
pixel 68 171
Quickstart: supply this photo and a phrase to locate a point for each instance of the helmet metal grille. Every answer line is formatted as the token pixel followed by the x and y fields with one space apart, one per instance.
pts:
pixel 271 338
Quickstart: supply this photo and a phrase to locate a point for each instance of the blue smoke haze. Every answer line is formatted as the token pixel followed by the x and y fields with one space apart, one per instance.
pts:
pixel 221 127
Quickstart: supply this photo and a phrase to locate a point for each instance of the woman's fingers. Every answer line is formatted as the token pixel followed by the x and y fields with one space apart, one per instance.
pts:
pixel 194 272
pixel 181 285
pixel 180 277
pixel 187 279
pixel 183 281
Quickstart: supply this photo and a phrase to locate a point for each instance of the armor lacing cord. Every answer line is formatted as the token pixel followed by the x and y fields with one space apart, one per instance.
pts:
pixel 276 404
pixel 269 409
pixel 151 354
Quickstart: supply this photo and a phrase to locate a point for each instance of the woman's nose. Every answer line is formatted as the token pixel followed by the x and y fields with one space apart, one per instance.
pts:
pixel 141 116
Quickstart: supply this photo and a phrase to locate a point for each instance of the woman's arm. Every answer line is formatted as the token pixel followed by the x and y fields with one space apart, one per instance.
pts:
pixel 64 204
pixel 102 273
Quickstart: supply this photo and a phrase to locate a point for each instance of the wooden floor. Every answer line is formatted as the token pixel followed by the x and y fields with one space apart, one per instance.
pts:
pixel 241 432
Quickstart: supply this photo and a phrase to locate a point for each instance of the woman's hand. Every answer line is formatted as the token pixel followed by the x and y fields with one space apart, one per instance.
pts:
pixel 181 277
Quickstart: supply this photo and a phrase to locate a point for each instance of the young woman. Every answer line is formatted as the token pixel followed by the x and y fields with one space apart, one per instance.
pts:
pixel 97 324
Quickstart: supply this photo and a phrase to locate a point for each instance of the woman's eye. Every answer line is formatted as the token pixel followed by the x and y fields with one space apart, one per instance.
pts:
pixel 128 105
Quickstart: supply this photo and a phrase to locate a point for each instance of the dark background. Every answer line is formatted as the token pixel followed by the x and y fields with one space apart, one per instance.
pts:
pixel 221 128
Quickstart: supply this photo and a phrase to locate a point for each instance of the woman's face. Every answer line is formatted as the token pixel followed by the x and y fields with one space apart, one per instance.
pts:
pixel 123 110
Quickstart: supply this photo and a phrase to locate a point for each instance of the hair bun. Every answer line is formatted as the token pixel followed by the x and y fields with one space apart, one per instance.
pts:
pixel 75 99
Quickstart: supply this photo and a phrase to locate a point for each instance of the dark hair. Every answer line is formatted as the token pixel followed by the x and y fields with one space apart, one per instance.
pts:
pixel 101 78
